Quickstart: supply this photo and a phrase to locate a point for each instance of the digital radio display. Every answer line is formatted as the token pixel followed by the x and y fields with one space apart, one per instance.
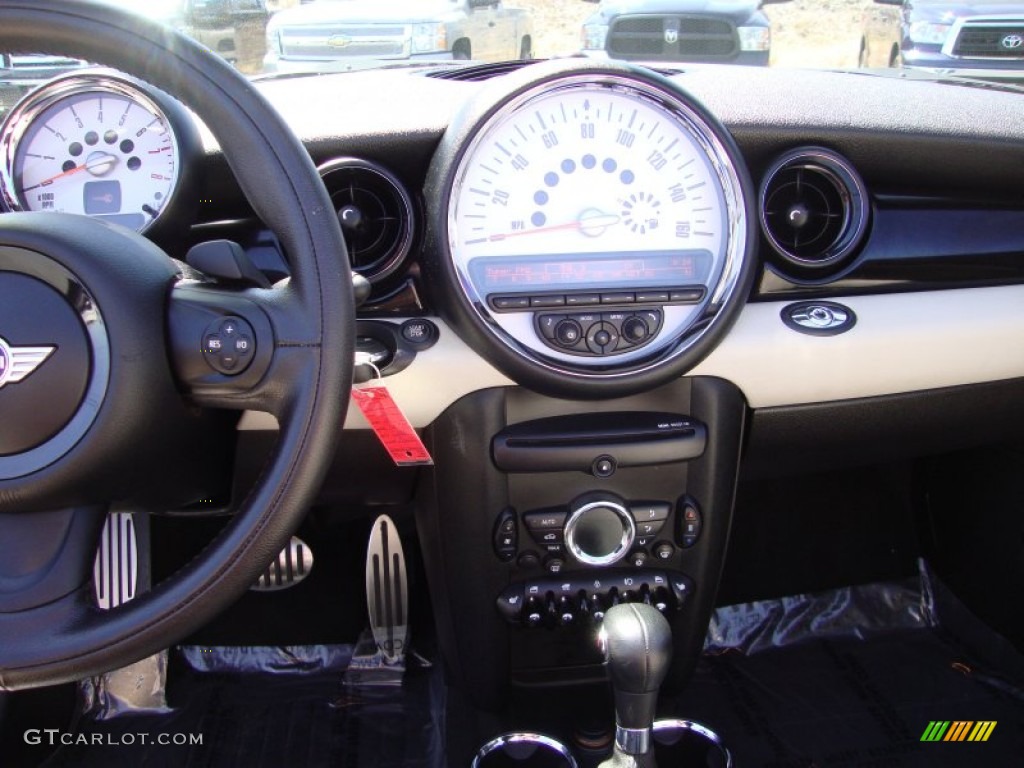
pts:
pixel 641 270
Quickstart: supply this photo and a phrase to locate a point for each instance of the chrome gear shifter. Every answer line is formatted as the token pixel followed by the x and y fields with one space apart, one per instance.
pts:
pixel 637 644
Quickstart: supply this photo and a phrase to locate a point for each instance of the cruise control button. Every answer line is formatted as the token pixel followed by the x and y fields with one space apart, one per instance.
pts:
pixel 243 345
pixel 213 343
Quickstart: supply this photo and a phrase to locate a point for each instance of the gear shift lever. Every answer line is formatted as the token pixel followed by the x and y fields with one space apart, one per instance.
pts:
pixel 637 644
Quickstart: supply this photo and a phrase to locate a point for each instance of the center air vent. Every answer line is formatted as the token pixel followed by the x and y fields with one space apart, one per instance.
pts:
pixel 814 208
pixel 376 215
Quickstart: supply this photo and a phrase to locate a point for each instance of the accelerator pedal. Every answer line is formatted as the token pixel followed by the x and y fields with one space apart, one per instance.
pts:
pixel 115 571
pixel 387 590
pixel 292 565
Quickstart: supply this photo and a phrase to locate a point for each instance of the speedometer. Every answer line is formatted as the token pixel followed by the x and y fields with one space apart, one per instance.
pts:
pixel 91 144
pixel 597 222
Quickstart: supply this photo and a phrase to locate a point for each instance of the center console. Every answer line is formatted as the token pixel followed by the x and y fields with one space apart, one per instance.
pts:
pixel 579 506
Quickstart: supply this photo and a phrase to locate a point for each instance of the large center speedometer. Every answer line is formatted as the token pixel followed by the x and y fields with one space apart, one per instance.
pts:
pixel 597 222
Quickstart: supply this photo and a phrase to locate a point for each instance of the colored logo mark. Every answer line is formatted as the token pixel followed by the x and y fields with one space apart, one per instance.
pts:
pixel 958 730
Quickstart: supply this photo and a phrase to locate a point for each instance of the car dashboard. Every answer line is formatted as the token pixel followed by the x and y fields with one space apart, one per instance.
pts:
pixel 605 297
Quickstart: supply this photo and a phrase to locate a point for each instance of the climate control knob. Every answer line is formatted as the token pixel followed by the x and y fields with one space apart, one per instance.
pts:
pixel 600 530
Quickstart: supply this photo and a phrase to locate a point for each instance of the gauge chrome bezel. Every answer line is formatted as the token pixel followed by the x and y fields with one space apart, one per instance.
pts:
pixel 25 113
pixel 670 344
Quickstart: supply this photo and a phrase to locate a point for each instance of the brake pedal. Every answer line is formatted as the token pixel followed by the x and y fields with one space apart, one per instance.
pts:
pixel 387 589
pixel 115 571
pixel 292 565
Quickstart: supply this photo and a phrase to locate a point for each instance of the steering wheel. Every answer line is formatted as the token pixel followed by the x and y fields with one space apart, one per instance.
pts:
pixel 129 330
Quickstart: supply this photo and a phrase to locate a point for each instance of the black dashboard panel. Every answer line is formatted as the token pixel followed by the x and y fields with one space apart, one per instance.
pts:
pixel 944 185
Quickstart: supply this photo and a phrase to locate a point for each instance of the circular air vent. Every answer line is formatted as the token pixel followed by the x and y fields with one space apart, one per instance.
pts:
pixel 814 208
pixel 376 215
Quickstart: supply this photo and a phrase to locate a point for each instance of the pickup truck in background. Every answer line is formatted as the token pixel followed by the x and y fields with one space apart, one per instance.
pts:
pixel 981 39
pixel 722 31
pixel 354 30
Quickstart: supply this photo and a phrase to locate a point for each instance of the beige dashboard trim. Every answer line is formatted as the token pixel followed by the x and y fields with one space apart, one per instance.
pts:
pixel 901 343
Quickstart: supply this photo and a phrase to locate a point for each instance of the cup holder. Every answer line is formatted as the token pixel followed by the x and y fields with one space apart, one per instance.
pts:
pixel 524 750
pixel 679 743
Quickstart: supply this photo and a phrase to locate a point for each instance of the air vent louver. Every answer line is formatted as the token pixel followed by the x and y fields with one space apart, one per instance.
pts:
pixel 376 215
pixel 814 208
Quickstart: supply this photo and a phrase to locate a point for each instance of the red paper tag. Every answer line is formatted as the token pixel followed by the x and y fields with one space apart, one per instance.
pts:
pixel 391 427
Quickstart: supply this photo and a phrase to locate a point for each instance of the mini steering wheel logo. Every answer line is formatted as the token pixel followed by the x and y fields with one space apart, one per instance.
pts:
pixel 1012 42
pixel 18 362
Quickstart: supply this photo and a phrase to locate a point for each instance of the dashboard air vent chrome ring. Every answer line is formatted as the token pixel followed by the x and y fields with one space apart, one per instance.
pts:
pixel 814 208
pixel 376 215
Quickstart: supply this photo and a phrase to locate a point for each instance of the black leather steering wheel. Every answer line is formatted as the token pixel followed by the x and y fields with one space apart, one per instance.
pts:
pixel 151 409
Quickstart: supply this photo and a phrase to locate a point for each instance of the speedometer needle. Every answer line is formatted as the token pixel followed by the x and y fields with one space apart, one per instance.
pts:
pixel 98 164
pixel 591 222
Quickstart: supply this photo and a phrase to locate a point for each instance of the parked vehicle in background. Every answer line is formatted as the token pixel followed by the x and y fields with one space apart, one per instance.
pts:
pixel 362 30
pixel 680 30
pixel 973 39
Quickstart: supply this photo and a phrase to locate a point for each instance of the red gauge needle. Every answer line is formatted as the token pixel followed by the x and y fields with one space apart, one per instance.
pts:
pixel 591 223
pixel 97 164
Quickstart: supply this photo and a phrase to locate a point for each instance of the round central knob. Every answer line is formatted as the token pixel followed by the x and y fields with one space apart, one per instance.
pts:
pixel 600 532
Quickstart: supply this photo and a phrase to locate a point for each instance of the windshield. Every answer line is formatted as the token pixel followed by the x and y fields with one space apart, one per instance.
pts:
pixel 274 38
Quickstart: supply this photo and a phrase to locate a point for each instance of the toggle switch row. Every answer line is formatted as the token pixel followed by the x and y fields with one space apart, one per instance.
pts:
pixel 583 600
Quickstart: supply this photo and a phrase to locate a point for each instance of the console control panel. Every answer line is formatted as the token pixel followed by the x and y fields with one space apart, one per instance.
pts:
pixel 583 598
pixel 598 333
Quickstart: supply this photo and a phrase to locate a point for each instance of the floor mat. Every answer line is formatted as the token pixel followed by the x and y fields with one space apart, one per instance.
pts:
pixel 271 720
pixel 857 703
pixel 872 676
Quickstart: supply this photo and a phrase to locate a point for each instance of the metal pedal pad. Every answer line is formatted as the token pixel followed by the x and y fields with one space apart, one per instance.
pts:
pixel 115 571
pixel 387 589
pixel 292 565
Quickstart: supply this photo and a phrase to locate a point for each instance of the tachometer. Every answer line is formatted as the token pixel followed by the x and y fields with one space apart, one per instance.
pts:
pixel 597 223
pixel 91 144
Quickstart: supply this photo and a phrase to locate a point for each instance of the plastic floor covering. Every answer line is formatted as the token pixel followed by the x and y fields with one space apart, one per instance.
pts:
pixel 851 678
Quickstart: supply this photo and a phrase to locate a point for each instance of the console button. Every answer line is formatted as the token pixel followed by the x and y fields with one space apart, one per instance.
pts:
pixel 664 550
pixel 652 297
pixel 651 512
pixel 547 324
pixel 506 535
pixel 554 565
pixel 686 295
pixel 528 560
pixel 568 333
pixel 544 520
pixel 648 527
pixel 602 338
pixel 548 537
pixel 617 298
pixel 690 524
pixel 547 301
pixel 635 330
pixel 510 302
pixel 638 559
pixel 582 299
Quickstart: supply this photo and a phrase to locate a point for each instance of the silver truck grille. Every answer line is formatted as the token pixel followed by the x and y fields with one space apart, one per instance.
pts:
pixel 990 39
pixel 334 42
pixel 672 37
